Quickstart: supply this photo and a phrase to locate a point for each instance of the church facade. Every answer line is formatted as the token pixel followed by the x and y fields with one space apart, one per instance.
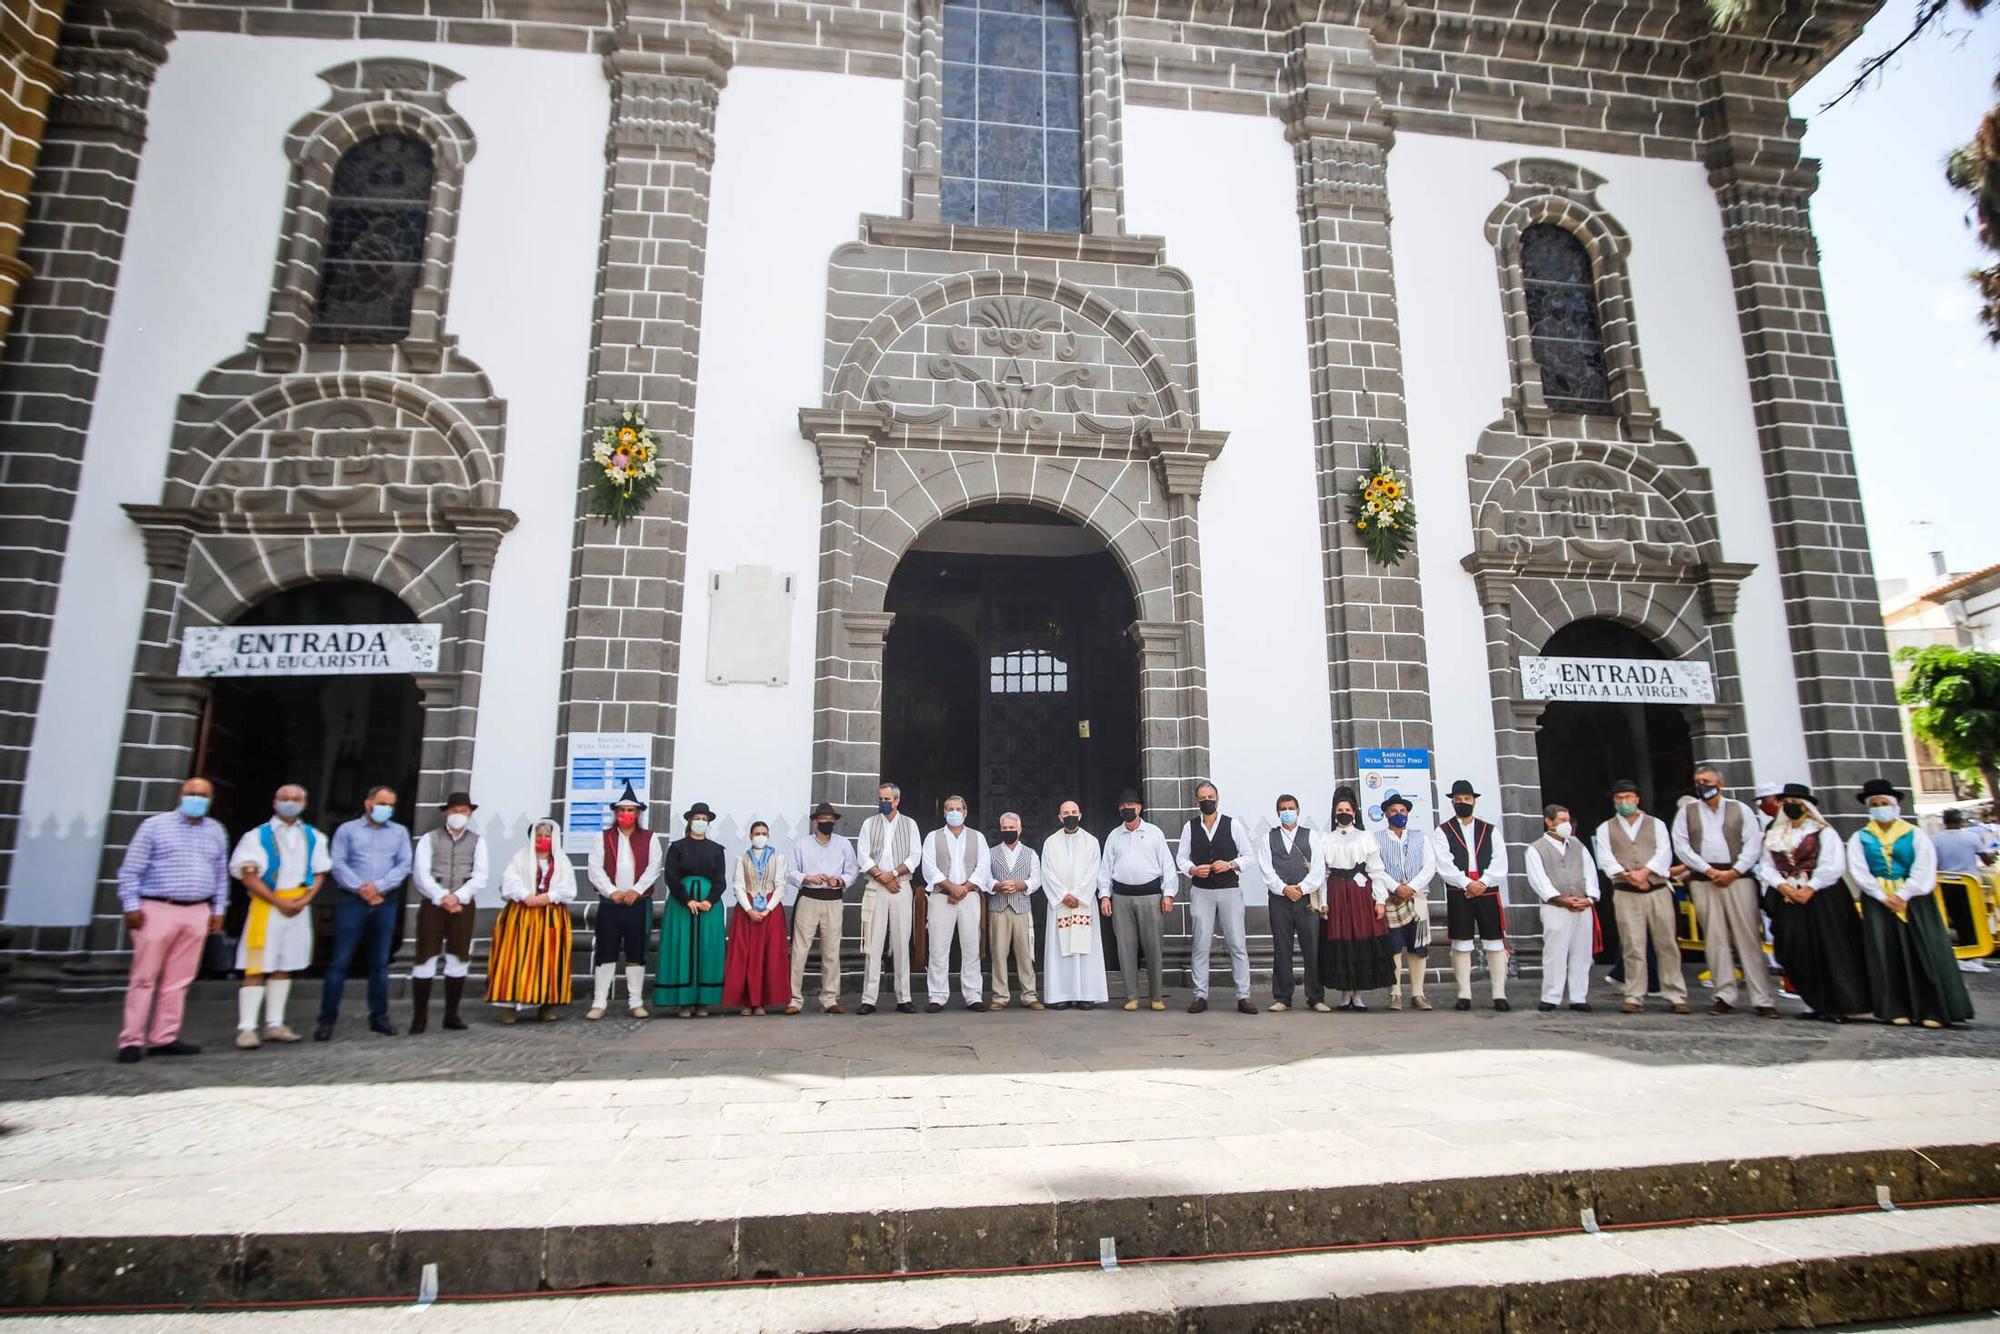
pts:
pixel 1011 362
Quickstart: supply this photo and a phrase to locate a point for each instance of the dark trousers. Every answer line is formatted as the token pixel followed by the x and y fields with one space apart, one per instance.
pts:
pixel 1289 919
pixel 372 932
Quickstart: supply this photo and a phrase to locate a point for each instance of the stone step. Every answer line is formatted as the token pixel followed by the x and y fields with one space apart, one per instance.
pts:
pixel 474 1257
pixel 1788 1273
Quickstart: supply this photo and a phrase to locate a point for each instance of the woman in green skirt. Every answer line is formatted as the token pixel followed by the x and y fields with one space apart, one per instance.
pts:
pixel 1911 967
pixel 691 937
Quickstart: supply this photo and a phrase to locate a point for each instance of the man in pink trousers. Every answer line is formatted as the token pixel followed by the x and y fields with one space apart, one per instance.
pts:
pixel 174 887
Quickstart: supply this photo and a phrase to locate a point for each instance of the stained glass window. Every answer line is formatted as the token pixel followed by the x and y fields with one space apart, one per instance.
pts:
pixel 1027 672
pixel 1562 320
pixel 1013 104
pixel 373 258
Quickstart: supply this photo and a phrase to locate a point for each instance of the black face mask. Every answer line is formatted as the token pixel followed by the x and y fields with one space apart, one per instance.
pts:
pixel 1072 821
pixel 824 826
pixel 1010 836
pixel 1463 809
pixel 1793 810
pixel 1128 814
pixel 1343 818
pixel 1208 806
pixel 1705 791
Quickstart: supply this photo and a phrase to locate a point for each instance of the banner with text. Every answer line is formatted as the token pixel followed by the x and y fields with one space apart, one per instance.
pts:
pixel 1617 680
pixel 1407 772
pixel 309 650
pixel 600 765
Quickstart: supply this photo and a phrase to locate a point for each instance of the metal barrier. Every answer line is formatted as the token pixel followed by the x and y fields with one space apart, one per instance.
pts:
pixel 1968 903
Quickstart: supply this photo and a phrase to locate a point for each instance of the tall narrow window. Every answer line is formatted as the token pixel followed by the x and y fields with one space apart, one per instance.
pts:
pixel 373 259
pixel 1562 320
pixel 1013 103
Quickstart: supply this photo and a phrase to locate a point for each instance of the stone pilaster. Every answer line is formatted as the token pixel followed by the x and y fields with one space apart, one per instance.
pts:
pixel 849 640
pixel 1839 651
pixel 621 664
pixel 29 82
pixel 1374 615
pixel 71 248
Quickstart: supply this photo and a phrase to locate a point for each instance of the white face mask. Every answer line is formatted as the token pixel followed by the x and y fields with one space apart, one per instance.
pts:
pixel 760 841
pixel 457 821
pixel 1565 829
pixel 697 826
pixel 1885 812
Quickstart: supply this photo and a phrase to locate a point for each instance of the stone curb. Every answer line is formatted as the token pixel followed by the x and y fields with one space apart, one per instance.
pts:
pixel 199 1270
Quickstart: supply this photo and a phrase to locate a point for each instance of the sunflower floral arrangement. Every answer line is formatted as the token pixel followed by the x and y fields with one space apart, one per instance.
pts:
pixel 1384 516
pixel 628 462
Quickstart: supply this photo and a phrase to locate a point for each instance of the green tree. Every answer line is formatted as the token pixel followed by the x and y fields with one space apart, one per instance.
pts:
pixel 1954 699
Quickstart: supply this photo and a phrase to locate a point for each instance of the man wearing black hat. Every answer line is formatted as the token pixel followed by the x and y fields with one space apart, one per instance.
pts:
pixel 1717 838
pixel 450 871
pixel 1136 880
pixel 1410 863
pixel 823 866
pixel 624 865
pixel 1471 859
pixel 1635 854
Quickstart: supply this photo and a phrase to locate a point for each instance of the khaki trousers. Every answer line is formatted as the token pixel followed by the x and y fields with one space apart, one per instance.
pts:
pixel 821 918
pixel 885 918
pixel 1732 929
pixel 1649 915
pixel 1012 933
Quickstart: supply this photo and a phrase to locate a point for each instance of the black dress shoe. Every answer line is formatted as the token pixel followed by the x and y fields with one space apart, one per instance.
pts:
pixel 174 1048
pixel 1199 1005
pixel 905 1007
pixel 382 1026
pixel 1546 1006
pixel 1462 1005
pixel 1500 1004
pixel 866 1008
pixel 977 1007
pixel 933 1008
pixel 131 1055
pixel 1246 1006
pixel 1581 1007
pixel 454 1023
pixel 323 1031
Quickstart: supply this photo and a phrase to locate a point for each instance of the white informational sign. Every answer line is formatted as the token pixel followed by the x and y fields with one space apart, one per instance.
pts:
pixel 600 765
pixel 1405 771
pixel 749 626
pixel 1617 679
pixel 309 650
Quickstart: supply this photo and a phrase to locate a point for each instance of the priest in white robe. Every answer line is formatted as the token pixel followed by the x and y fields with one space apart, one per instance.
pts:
pixel 1073 945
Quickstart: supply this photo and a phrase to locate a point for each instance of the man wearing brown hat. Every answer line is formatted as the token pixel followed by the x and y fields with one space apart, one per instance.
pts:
pixel 823 865
pixel 1635 852
pixel 449 871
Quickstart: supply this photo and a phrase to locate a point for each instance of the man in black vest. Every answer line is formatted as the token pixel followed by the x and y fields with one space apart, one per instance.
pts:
pixel 1472 862
pixel 1293 873
pixel 1212 860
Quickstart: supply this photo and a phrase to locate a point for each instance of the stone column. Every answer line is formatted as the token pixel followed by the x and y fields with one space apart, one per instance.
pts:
pixel 1839 651
pixel 621 665
pixel 1378 676
pixel 29 82
pixel 71 247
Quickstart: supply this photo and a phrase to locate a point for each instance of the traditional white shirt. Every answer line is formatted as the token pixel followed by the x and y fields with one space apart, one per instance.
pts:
pixel 1289 839
pixel 518 880
pixel 736 896
pixel 968 861
pixel 1136 857
pixel 1538 875
pixel 1240 832
pixel 618 878
pixel 1663 845
pixel 1069 866
pixel 420 871
pixel 896 840
pixel 1714 851
pixel 1923 869
pixel 1420 846
pixel 1346 850
pixel 1495 875
pixel 1031 873
pixel 291 843
pixel 1826 872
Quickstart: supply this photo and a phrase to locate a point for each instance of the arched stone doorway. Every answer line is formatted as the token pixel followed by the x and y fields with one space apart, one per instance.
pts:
pixel 1585 746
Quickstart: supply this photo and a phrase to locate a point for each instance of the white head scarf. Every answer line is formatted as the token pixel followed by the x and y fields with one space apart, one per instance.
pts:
pixel 524 867
pixel 1785 833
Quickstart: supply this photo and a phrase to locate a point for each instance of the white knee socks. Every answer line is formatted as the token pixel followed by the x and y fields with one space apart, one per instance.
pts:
pixel 1496 972
pixel 1461 968
pixel 276 992
pixel 1416 963
pixel 601 981
pixel 249 1000
pixel 635 985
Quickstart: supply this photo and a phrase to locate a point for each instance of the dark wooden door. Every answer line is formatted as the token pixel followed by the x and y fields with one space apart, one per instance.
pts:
pixel 1030 689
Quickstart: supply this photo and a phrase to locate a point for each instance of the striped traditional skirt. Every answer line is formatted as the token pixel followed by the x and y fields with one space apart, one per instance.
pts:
pixel 530 962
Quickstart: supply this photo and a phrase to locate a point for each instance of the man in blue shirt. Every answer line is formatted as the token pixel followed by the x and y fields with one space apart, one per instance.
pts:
pixel 371 860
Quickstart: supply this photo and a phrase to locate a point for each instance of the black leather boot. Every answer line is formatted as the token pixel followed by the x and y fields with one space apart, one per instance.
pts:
pixel 420 1004
pixel 454 991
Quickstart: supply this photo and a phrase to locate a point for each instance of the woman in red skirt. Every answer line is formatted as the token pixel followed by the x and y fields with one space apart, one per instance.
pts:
pixel 1355 955
pixel 757 966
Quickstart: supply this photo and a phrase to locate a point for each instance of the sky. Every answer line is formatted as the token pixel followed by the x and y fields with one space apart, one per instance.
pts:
pixel 1922 383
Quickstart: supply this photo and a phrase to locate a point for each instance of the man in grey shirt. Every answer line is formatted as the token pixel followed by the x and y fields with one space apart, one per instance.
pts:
pixel 1961 849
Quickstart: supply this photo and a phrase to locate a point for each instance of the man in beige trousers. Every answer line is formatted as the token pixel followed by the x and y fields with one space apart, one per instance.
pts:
pixel 1634 851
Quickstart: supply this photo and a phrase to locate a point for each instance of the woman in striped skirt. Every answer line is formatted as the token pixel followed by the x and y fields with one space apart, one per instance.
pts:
pixel 530 964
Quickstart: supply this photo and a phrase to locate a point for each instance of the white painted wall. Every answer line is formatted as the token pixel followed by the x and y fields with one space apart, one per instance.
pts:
pixel 195 283
pixel 1236 236
pixel 1456 376
pixel 799 158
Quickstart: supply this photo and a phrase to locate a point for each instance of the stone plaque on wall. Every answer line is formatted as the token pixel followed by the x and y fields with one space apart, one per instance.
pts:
pixel 750 626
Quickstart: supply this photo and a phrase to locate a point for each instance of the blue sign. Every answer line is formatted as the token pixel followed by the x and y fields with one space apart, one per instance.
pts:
pixel 1393 759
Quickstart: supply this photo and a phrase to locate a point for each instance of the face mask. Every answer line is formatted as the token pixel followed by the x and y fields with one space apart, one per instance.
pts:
pixel 1628 809
pixel 954 818
pixel 1072 821
pixel 824 826
pixel 1463 809
pixel 194 807
pixel 1706 790
pixel 381 814
pixel 760 841
pixel 1208 807
pixel 701 826
pixel 1010 836
pixel 1288 818
pixel 543 845
pixel 1127 814
pixel 456 822
pixel 1885 813
pixel 289 810
pixel 885 806
pixel 1565 829
pixel 1398 820
pixel 1343 818
pixel 627 819
pixel 1793 810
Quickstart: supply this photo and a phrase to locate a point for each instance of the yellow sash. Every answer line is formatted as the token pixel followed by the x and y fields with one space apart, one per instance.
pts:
pixel 1889 836
pixel 260 922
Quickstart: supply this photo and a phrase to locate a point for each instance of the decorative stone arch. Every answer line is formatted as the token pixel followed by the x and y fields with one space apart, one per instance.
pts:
pixel 1650 510
pixel 883 485
pixel 368 98
pixel 1542 190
